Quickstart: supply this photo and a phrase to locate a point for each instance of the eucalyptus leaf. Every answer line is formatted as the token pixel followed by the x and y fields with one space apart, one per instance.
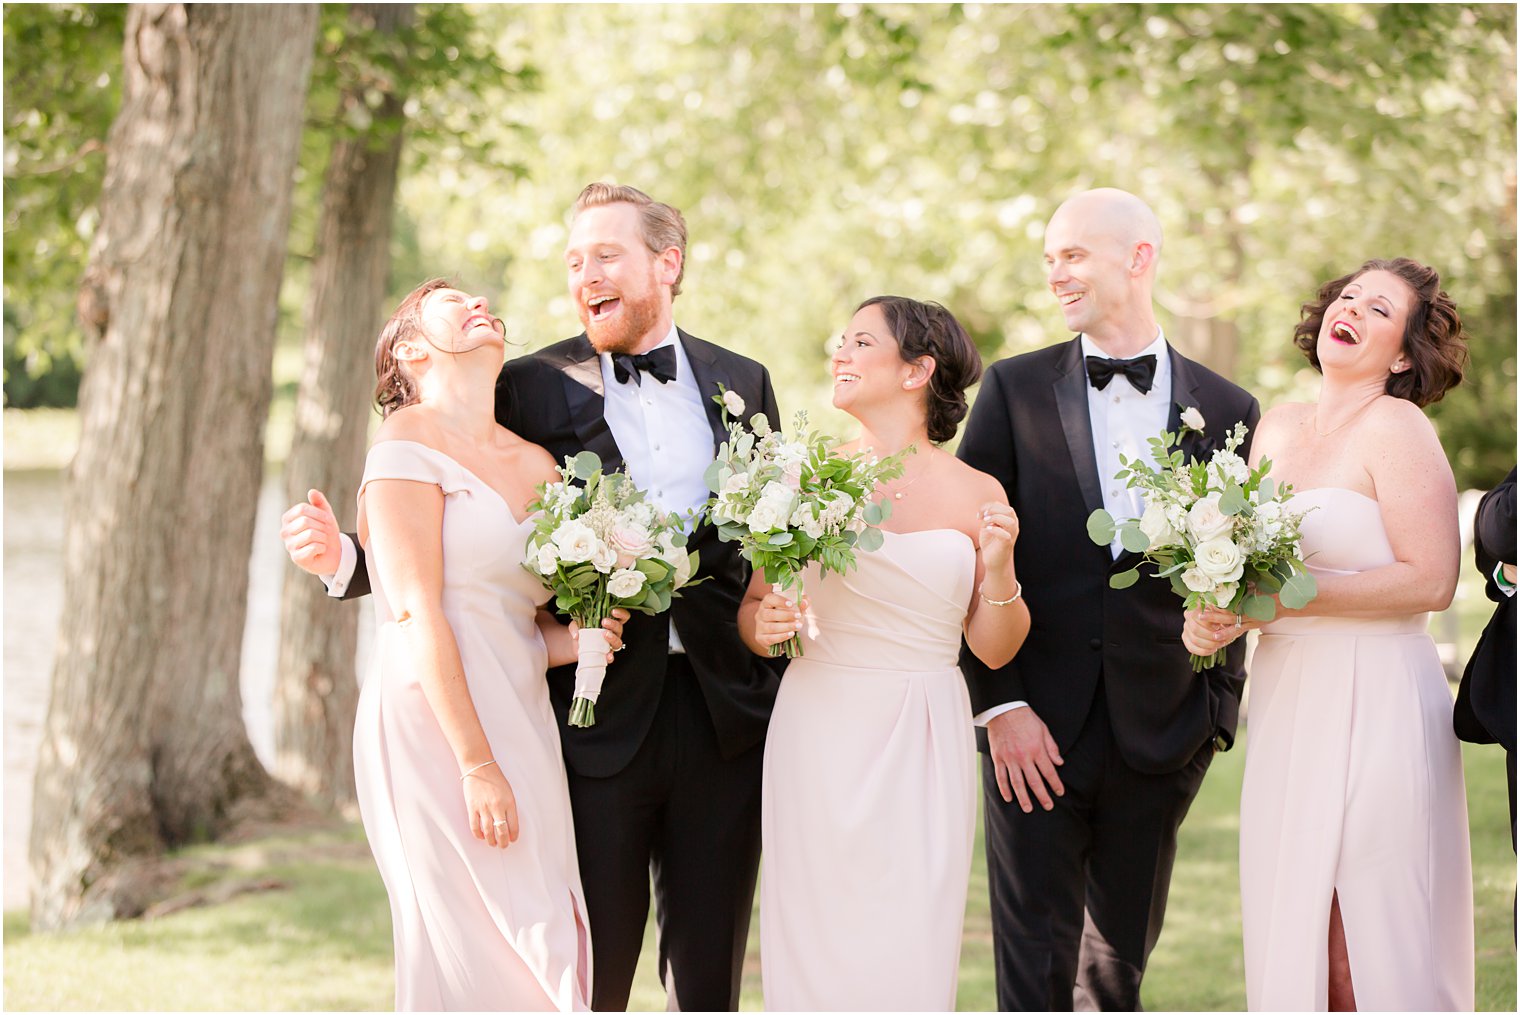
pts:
pixel 870 539
pixel 1259 607
pixel 1124 579
pixel 585 465
pixel 1101 527
pixel 1298 591
pixel 1132 539
pixel 1233 501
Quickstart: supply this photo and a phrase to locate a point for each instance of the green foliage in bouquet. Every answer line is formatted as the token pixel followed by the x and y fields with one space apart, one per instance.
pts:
pixel 1221 532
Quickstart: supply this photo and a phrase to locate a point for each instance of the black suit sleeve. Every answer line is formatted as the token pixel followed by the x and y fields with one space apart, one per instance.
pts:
pixel 1494 528
pixel 988 445
pixel 768 400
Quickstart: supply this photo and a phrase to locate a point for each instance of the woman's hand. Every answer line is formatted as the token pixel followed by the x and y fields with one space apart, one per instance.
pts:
pixel 492 806
pixel 1000 530
pixel 613 625
pixel 1208 629
pixel 778 618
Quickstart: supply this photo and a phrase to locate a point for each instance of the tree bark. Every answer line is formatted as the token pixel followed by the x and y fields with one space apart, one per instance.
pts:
pixel 315 690
pixel 144 745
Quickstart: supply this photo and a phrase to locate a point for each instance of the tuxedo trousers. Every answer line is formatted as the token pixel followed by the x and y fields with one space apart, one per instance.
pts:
pixel 1078 892
pixel 690 818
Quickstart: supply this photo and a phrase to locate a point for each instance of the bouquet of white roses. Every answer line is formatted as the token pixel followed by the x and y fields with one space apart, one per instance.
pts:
pixel 790 502
pixel 598 545
pixel 1220 531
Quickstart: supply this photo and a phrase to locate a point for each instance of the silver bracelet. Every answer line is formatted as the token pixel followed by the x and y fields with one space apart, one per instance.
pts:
pixel 1018 591
pixel 477 768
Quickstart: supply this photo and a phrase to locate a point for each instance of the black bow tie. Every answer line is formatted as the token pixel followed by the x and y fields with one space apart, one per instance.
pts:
pixel 659 364
pixel 1141 371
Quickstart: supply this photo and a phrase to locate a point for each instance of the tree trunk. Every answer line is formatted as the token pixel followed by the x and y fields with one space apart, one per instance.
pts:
pixel 315 690
pixel 144 745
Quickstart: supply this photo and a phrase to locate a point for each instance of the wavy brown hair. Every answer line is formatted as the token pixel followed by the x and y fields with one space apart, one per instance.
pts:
pixel 1434 343
pixel 928 329
pixel 395 387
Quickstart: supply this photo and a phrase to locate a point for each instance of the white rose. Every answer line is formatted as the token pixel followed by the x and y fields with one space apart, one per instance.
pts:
pixel 777 493
pixel 1205 520
pixel 1220 559
pixel 733 403
pixel 604 558
pixel 791 475
pixel 631 542
pixel 1192 418
pixel 575 542
pixel 737 483
pixel 765 517
pixel 1197 581
pixel 625 583
pixel 548 560
pixel 1156 526
pixel 1223 594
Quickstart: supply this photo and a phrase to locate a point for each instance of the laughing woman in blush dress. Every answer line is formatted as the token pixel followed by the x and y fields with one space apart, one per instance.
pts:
pixel 457 759
pixel 869 791
pixel 1355 874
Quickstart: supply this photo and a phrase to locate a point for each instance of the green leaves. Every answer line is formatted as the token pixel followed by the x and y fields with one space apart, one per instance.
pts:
pixel 1132 539
pixel 1258 607
pixel 585 465
pixel 1124 579
pixel 1101 527
pixel 1298 591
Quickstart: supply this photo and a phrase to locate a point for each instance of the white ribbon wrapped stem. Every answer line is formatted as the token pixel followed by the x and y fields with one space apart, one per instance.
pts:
pixel 591 662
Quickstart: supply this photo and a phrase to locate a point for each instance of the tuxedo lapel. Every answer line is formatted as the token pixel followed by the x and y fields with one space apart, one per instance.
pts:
pixel 1071 402
pixel 1185 394
pixel 709 372
pixel 581 372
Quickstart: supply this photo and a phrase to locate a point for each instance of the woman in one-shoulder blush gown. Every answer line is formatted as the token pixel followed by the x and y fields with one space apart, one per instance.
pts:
pixel 1355 872
pixel 456 752
pixel 869 791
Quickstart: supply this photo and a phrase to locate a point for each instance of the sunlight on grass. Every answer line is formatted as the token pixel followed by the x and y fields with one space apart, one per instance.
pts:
pixel 323 942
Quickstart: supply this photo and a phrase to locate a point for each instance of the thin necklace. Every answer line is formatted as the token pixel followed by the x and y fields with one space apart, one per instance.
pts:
pixel 898 493
pixel 1326 433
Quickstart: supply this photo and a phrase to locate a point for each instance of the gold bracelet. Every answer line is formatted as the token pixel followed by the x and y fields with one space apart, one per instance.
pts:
pixel 477 768
pixel 1018 590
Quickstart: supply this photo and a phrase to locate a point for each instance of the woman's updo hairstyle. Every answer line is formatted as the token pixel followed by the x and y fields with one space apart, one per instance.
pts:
pixel 928 329
pixel 395 387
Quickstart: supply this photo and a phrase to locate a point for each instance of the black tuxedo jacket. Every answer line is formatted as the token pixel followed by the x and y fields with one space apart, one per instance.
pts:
pixel 1030 429
pixel 554 398
pixel 1485 709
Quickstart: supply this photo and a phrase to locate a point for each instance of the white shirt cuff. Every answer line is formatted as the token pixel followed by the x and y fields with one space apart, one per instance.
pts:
pixel 337 584
pixel 983 718
pixel 1499 580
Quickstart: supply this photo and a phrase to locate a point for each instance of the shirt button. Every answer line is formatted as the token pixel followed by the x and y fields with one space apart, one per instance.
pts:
pixel 1096 644
pixel 1113 493
pixel 657 447
pixel 1116 399
pixel 1116 444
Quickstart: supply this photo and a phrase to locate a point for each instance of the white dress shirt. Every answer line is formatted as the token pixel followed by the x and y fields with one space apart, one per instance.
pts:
pixel 1123 422
pixel 662 430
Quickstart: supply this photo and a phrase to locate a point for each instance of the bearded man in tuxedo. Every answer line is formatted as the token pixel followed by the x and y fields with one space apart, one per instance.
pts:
pixel 667 782
pixel 1099 733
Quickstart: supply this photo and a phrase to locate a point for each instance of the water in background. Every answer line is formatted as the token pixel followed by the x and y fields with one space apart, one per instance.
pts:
pixel 34 579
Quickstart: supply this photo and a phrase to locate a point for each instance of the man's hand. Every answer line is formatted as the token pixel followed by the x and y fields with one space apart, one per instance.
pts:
pixel 310 532
pixel 1025 757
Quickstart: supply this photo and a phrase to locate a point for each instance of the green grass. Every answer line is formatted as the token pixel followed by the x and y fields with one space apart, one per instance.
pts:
pixel 323 942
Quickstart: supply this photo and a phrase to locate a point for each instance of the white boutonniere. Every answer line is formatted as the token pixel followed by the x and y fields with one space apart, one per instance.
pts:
pixel 1192 419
